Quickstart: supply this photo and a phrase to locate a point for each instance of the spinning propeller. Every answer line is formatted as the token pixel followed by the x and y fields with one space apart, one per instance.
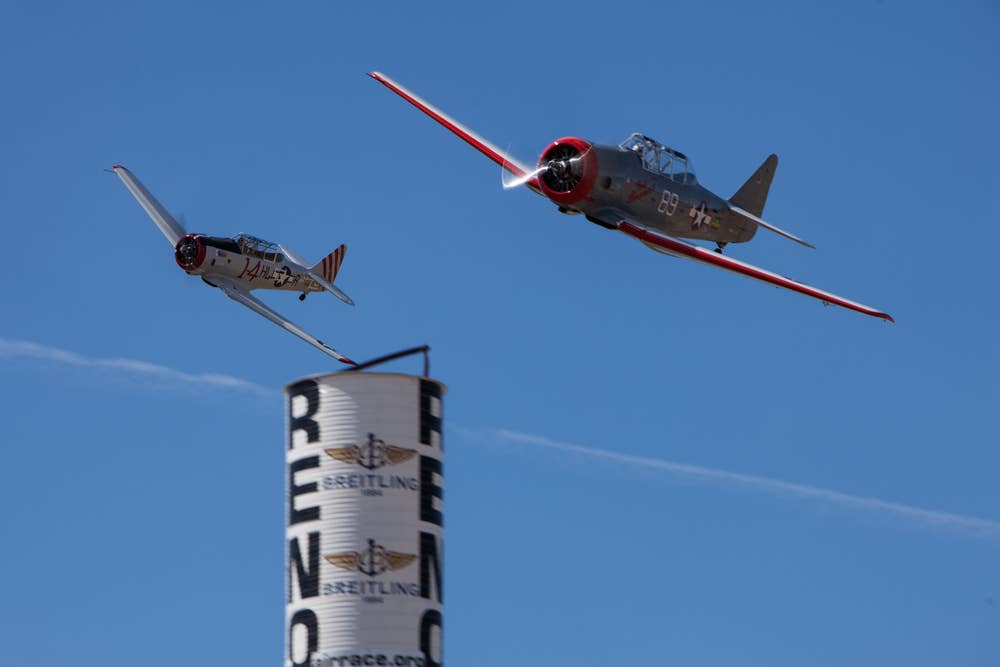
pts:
pixel 561 169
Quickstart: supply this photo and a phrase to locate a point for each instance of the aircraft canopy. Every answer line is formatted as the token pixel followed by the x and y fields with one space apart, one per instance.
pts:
pixel 660 159
pixel 255 247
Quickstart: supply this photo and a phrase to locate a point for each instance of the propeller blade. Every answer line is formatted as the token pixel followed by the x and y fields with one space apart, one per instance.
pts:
pixel 512 176
pixel 509 180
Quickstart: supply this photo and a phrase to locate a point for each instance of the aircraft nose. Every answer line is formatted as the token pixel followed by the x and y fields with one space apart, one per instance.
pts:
pixel 569 170
pixel 189 252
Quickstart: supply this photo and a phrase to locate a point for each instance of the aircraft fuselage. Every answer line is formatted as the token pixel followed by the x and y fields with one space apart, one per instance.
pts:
pixel 208 256
pixel 613 184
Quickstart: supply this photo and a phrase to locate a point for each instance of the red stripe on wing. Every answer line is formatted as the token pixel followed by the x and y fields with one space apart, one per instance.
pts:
pixel 464 133
pixel 717 259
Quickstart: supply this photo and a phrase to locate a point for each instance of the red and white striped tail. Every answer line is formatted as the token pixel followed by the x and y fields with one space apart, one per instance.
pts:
pixel 330 265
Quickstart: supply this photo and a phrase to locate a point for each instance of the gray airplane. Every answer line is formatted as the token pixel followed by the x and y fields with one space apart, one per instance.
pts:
pixel 647 191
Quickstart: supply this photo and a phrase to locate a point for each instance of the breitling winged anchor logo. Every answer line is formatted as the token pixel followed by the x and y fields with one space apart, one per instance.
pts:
pixel 373 561
pixel 372 455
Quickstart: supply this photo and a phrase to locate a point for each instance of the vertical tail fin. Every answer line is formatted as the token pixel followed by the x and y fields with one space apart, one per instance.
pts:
pixel 330 265
pixel 753 194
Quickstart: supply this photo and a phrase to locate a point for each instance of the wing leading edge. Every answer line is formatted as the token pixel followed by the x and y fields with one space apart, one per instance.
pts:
pixel 240 295
pixel 166 223
pixel 671 246
pixel 481 144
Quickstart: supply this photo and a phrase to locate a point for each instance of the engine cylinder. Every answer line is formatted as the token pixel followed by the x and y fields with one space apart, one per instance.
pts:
pixel 189 252
pixel 571 170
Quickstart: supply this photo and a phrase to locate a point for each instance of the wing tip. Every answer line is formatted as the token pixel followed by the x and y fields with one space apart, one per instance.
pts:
pixel 117 166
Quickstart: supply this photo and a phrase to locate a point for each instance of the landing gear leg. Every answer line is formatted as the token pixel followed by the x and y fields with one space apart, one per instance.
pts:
pixel 719 245
pixel 302 297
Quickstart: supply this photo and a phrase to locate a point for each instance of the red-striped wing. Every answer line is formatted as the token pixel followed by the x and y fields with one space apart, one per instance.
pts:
pixel 677 248
pixel 502 158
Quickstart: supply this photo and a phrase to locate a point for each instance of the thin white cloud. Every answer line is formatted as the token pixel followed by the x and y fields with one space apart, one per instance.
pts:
pixel 927 518
pixel 132 368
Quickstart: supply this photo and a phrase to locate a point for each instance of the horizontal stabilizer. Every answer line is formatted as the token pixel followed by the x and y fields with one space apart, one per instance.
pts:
pixel 323 272
pixel 767 225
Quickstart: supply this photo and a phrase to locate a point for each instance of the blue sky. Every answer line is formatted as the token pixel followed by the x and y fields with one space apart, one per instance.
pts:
pixel 601 397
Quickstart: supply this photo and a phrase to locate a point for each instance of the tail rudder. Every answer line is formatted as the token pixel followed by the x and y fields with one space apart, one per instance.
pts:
pixel 330 265
pixel 752 195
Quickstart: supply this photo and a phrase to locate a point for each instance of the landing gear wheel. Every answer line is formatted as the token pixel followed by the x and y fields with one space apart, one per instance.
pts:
pixel 302 297
pixel 719 245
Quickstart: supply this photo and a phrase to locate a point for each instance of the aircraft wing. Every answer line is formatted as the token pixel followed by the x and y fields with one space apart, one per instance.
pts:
pixel 502 158
pixel 170 228
pixel 671 246
pixel 240 295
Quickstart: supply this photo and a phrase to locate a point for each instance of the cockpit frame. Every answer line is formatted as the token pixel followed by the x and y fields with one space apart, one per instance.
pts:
pixel 660 159
pixel 257 247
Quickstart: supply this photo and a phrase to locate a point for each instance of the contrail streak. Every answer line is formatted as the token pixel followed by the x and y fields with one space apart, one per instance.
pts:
pixel 24 349
pixel 928 518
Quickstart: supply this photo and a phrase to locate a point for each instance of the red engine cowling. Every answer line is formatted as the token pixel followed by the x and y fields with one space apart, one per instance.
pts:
pixel 571 170
pixel 189 252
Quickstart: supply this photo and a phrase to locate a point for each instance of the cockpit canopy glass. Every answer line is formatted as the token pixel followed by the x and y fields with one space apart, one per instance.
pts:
pixel 660 159
pixel 255 247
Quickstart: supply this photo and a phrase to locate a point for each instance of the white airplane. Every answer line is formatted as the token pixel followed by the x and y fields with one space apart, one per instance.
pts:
pixel 243 263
